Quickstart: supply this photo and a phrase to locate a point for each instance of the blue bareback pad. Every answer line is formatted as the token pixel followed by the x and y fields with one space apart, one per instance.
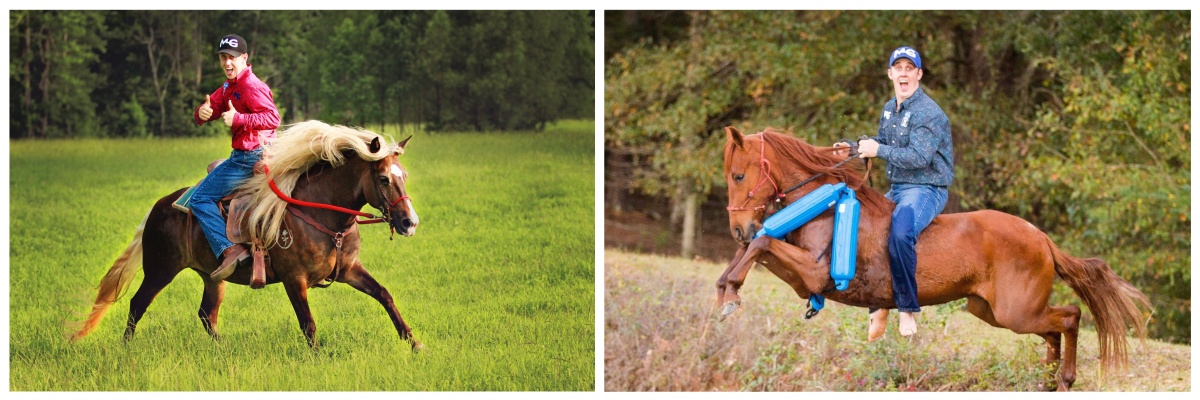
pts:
pixel 845 230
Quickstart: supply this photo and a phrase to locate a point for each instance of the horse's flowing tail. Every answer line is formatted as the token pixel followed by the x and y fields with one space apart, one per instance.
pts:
pixel 112 285
pixel 1112 301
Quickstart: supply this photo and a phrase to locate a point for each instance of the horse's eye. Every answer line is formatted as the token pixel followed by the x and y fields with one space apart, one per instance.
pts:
pixel 383 180
pixel 739 177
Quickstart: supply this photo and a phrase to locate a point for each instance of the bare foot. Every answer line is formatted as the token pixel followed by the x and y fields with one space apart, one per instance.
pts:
pixel 908 323
pixel 878 325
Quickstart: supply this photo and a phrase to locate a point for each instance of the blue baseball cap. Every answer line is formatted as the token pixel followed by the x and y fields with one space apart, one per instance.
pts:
pixel 905 52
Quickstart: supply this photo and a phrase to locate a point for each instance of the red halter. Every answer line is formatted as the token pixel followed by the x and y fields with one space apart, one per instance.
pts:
pixel 765 166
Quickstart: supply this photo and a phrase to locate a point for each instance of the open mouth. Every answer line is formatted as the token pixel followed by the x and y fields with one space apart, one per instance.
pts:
pixel 904 85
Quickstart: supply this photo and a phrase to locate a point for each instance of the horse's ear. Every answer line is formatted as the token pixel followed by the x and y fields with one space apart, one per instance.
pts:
pixel 734 135
pixel 374 146
pixel 403 143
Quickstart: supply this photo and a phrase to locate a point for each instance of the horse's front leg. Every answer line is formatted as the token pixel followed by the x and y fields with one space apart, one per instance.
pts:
pixel 794 259
pixel 297 290
pixel 210 305
pixel 723 280
pixel 358 277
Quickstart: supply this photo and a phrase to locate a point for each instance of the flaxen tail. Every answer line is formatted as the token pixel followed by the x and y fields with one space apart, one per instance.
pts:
pixel 113 285
pixel 1112 301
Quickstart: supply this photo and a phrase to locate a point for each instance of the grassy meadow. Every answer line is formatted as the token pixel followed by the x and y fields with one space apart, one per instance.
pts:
pixel 661 334
pixel 498 282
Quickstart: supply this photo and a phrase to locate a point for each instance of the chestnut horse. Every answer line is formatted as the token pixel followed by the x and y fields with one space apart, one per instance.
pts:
pixel 314 162
pixel 1002 264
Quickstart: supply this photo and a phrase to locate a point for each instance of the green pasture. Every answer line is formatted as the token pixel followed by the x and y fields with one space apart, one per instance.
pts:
pixel 498 282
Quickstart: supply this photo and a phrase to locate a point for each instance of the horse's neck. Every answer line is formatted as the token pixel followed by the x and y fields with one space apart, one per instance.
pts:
pixel 869 216
pixel 335 186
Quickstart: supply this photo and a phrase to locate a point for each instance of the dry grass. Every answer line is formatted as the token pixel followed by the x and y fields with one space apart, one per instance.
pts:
pixel 660 334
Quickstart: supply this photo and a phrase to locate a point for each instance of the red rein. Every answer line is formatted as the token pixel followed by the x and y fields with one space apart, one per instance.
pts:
pixel 302 203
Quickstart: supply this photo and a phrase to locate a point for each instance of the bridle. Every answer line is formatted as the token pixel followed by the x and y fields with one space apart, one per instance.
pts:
pixel 381 182
pixel 765 166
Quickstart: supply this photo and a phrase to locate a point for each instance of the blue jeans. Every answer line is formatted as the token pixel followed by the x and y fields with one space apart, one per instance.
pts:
pixel 219 183
pixel 916 206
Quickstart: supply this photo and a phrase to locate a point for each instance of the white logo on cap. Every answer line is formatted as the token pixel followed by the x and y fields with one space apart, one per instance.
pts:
pixel 906 51
pixel 232 42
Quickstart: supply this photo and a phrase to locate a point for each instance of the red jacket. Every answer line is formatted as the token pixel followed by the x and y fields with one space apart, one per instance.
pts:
pixel 256 117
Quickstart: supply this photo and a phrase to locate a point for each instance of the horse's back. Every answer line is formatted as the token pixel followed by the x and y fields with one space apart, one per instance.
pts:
pixel 980 249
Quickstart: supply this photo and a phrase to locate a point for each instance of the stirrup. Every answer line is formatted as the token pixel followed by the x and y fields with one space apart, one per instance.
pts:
pixel 815 303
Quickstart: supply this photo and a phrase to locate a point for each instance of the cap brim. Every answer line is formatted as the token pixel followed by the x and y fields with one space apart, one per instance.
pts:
pixel 231 52
pixel 905 58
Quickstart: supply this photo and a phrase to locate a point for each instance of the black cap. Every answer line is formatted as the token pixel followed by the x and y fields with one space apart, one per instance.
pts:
pixel 233 45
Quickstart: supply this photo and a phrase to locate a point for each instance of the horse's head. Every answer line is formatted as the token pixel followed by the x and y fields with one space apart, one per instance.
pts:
pixel 385 189
pixel 751 186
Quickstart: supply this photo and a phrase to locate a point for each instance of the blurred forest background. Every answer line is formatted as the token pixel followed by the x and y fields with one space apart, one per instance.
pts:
pixel 1078 121
pixel 143 73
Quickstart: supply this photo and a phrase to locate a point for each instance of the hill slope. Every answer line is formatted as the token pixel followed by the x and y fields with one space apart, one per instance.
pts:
pixel 660 334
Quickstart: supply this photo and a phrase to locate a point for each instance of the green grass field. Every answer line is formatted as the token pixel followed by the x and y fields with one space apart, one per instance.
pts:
pixel 498 282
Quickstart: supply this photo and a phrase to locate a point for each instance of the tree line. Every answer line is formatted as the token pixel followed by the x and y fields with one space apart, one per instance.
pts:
pixel 142 73
pixel 1078 121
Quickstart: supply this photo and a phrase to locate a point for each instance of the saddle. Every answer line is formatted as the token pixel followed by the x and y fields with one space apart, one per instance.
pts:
pixel 234 208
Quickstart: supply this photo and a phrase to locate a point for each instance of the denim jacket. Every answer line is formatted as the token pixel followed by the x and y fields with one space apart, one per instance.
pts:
pixel 916 142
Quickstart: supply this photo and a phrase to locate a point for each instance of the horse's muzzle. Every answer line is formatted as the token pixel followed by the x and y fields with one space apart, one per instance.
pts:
pixel 406 226
pixel 744 233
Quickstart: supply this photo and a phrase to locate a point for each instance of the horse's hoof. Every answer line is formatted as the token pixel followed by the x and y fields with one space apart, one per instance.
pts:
pixel 728 309
pixel 417 347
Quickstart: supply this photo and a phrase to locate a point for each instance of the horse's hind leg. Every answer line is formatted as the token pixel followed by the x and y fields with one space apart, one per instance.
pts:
pixel 156 278
pixel 1050 326
pixel 1067 318
pixel 210 304
pixel 1050 323
pixel 358 277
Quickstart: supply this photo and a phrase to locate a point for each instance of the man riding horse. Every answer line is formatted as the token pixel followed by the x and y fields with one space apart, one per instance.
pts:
pixel 247 107
pixel 914 137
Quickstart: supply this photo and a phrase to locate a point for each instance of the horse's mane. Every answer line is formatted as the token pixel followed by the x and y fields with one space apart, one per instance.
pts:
pixel 296 149
pixel 817 160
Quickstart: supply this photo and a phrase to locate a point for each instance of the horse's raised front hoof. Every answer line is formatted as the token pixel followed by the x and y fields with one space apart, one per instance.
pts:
pixel 417 346
pixel 728 309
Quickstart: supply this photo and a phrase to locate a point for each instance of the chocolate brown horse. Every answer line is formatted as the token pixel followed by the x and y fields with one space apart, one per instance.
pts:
pixel 312 161
pixel 1002 264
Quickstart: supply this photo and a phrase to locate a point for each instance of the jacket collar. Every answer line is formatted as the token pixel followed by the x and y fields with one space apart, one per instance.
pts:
pixel 916 97
pixel 242 75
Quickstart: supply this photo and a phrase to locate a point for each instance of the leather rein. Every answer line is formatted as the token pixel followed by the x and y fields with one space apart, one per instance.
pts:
pixel 338 236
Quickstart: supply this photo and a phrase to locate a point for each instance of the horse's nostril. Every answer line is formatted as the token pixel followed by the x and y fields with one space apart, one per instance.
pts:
pixel 406 223
pixel 737 233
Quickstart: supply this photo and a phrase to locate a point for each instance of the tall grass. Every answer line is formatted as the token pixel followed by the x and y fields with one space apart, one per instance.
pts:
pixel 660 333
pixel 497 283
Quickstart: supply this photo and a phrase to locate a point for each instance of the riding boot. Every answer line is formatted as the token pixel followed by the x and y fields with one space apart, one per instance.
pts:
pixel 232 257
pixel 878 325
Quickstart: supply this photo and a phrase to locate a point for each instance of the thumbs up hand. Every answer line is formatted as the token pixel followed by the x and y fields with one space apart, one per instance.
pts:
pixel 228 115
pixel 206 110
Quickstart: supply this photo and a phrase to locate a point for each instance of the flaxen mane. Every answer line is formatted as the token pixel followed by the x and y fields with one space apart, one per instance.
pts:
pixel 817 160
pixel 297 149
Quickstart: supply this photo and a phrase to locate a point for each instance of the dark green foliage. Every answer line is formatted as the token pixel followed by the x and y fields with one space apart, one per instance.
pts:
pixel 1078 121
pixel 133 119
pixel 77 73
